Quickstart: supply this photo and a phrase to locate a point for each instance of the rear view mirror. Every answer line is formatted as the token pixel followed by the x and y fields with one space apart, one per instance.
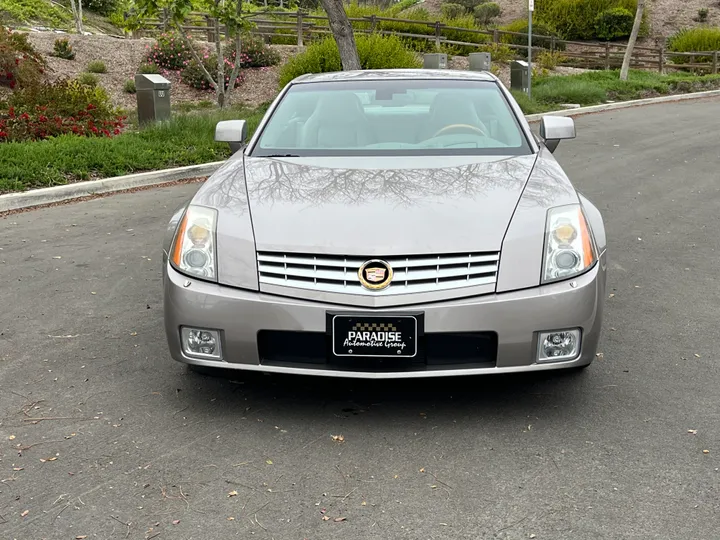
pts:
pixel 233 132
pixel 554 129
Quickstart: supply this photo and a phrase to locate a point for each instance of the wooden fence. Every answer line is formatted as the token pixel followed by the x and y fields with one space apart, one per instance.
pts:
pixel 301 27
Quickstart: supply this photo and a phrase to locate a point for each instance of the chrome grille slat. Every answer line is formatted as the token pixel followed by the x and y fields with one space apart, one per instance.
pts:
pixel 412 273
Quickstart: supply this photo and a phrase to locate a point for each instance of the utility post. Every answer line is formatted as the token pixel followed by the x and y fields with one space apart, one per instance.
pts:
pixel 531 8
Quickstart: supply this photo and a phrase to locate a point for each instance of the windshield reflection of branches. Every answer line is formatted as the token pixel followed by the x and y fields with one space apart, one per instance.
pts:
pixel 274 181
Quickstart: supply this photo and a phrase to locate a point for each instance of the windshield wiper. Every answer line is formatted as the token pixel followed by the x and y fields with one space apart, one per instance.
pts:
pixel 281 155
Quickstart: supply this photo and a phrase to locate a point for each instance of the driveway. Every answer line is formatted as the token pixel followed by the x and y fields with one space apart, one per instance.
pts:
pixel 103 436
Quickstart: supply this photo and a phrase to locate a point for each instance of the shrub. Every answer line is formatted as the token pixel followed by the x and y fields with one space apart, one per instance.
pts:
pixel 375 51
pixel 466 21
pixel 101 7
pixel 702 15
pixel 148 69
pixel 170 52
pixel 549 59
pixel 88 79
pixel 470 5
pixel 576 19
pixel 63 49
pixel 193 75
pixel 49 110
pixel 97 66
pixel 254 52
pixel 539 29
pixel 485 13
pixel 694 39
pixel 614 23
pixel 130 87
pixel 450 11
pixel 20 64
pixel 499 52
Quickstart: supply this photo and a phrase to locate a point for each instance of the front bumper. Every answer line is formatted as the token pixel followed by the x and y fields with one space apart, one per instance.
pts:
pixel 515 318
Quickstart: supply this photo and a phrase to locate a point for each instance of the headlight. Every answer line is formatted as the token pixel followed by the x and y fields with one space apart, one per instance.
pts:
pixel 193 249
pixel 569 247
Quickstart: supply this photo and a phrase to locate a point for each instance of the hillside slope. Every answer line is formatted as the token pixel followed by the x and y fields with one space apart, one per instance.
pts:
pixel 666 16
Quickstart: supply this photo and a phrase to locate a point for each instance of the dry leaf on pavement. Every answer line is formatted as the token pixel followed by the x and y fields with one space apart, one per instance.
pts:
pixel 233 493
pixel 25 513
pixel 706 451
pixel 339 519
pixel 338 438
pixel 692 431
pixel 326 518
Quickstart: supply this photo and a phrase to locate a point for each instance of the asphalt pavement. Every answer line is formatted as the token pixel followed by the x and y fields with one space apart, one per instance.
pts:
pixel 103 436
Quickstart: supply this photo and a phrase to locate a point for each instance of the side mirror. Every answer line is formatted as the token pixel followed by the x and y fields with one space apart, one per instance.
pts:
pixel 233 132
pixel 554 129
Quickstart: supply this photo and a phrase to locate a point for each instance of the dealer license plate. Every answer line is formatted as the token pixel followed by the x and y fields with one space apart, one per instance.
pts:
pixel 376 336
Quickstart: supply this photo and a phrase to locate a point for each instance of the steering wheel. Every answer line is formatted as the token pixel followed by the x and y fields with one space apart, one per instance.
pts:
pixel 459 127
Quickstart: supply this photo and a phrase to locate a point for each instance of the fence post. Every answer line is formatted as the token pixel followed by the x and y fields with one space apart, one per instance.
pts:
pixel 552 44
pixel 661 60
pixel 300 28
pixel 607 55
pixel 715 62
pixel 496 36
pixel 437 35
pixel 210 33
pixel 373 23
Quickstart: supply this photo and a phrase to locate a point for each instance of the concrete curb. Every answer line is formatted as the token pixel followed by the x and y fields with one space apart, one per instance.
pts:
pixel 37 197
pixel 624 105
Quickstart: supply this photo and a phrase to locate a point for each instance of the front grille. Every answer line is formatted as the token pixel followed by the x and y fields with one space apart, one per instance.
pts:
pixel 313 350
pixel 412 274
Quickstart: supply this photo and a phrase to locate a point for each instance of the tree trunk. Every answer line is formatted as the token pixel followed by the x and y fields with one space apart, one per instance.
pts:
pixel 343 33
pixel 633 38
pixel 77 14
pixel 220 88
pixel 238 45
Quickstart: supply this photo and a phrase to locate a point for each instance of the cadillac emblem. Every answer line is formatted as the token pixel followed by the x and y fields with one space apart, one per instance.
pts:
pixel 375 274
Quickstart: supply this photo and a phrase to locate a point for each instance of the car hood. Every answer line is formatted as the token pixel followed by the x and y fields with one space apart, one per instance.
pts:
pixel 382 206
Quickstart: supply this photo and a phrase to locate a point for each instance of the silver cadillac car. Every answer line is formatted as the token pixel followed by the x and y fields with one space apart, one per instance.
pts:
pixel 388 224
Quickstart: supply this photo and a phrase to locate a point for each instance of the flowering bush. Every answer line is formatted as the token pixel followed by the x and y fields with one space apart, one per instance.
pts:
pixel 49 110
pixel 20 64
pixel 254 52
pixel 193 75
pixel 169 52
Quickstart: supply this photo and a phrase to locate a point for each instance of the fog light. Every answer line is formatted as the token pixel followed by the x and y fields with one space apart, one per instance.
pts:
pixel 201 343
pixel 559 345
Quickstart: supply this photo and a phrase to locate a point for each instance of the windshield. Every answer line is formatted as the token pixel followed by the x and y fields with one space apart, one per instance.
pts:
pixel 392 118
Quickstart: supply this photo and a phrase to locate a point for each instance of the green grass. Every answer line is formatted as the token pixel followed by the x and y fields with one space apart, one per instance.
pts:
pixel 595 87
pixel 185 140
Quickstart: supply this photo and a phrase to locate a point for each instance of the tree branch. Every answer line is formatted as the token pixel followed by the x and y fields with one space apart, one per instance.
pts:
pixel 196 56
